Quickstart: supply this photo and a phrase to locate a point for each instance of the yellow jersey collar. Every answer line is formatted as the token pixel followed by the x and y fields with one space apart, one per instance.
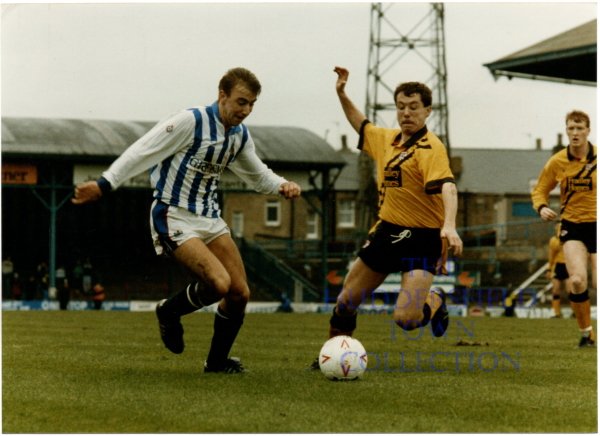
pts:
pixel 412 140
pixel 590 154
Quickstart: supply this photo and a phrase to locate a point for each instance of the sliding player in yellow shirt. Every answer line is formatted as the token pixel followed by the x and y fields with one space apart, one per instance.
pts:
pixel 417 213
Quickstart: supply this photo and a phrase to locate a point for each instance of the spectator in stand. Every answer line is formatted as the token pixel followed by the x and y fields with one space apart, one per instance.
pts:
pixel 16 288
pixel 42 279
pixel 99 296
pixel 76 281
pixel 30 288
pixel 7 277
pixel 86 285
pixel 63 293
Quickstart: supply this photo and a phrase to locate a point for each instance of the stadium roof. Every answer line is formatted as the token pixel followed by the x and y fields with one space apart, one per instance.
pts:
pixel 287 147
pixel 569 57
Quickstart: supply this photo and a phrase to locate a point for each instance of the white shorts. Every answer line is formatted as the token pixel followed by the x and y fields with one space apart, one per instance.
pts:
pixel 171 226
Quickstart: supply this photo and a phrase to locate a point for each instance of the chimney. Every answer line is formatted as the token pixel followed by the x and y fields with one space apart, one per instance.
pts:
pixel 559 146
pixel 456 166
pixel 344 139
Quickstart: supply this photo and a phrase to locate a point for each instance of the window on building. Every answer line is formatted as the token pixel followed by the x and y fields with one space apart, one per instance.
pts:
pixel 273 213
pixel 523 209
pixel 312 225
pixel 237 224
pixel 346 213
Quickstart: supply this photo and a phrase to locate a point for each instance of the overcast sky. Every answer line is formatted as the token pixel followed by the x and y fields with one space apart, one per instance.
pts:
pixel 144 61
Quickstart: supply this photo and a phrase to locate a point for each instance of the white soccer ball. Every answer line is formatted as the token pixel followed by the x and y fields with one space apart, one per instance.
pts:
pixel 343 358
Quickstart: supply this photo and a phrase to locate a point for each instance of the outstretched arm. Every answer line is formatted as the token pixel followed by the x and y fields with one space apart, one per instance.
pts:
pixel 354 116
pixel 165 139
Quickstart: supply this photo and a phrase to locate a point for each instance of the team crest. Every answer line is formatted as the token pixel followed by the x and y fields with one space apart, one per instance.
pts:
pixel 169 128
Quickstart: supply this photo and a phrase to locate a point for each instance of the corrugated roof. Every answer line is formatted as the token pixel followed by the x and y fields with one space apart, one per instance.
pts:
pixel 296 147
pixel 568 57
pixel 59 137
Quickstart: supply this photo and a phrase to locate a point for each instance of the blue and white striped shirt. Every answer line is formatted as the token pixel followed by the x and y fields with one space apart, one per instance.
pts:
pixel 187 153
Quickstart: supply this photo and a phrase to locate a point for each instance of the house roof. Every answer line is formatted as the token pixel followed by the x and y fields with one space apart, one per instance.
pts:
pixel 348 180
pixel 484 171
pixel 569 57
pixel 291 147
pixel 499 171
pixel 294 147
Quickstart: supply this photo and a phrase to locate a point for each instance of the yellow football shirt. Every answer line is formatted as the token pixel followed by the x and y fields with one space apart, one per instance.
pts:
pixel 577 179
pixel 409 176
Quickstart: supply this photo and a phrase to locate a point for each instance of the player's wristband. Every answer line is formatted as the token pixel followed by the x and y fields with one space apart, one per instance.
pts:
pixel 539 210
pixel 104 185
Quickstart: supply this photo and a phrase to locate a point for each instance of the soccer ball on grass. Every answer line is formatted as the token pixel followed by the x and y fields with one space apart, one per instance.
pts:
pixel 343 358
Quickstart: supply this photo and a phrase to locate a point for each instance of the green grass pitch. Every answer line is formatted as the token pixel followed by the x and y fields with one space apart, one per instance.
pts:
pixel 107 372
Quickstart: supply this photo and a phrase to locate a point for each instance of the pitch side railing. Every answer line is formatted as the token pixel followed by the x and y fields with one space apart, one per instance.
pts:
pixel 276 275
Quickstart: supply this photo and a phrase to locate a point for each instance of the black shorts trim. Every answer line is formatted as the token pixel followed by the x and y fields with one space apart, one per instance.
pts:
pixel 391 248
pixel 560 271
pixel 584 232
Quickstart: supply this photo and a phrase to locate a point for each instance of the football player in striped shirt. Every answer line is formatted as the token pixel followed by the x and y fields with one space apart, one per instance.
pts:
pixel 574 169
pixel 187 153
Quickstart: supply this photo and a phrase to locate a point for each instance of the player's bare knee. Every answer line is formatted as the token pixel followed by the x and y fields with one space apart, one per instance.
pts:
pixel 237 298
pixel 220 285
pixel 407 325
pixel 241 294
pixel 407 320
pixel 578 282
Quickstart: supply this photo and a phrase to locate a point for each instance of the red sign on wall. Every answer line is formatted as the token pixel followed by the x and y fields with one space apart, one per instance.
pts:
pixel 19 174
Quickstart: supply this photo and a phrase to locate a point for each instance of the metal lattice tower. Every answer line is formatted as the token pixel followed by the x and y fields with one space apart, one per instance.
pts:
pixel 407 44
